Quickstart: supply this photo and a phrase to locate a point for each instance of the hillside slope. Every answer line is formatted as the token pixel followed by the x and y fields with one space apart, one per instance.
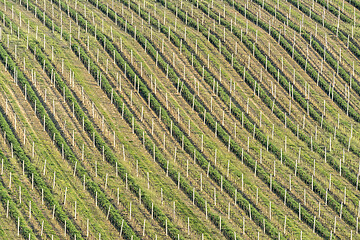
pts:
pixel 160 119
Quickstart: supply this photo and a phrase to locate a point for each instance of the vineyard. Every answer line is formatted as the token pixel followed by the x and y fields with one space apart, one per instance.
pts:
pixel 163 119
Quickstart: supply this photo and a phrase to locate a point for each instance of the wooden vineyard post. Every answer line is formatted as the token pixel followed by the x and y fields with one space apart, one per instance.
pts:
pixel 161 196
pixel 214 196
pixel 18 226
pixel 42 228
pixel 250 211
pixel 10 181
pixel 206 211
pixel 65 229
pixel 144 227
pixel 53 186
pixel 65 196
pixel 42 196
pixel 215 157
pixel 7 209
